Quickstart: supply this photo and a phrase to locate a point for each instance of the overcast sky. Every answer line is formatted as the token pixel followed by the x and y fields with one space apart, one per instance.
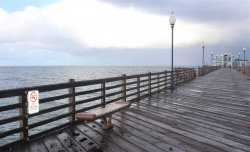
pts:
pixel 120 32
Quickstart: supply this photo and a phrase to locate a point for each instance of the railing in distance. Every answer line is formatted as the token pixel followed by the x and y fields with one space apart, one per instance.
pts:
pixel 245 70
pixel 206 69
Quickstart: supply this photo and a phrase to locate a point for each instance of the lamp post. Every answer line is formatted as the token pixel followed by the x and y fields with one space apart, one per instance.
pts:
pixel 244 50
pixel 212 53
pixel 203 46
pixel 172 20
pixel 216 61
pixel 239 62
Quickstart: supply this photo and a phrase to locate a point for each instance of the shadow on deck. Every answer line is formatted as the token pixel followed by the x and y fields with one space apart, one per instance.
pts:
pixel 211 113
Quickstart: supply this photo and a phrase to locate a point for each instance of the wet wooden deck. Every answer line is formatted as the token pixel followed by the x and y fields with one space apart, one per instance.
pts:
pixel 210 114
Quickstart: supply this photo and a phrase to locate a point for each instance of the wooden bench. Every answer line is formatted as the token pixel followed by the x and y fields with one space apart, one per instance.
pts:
pixel 105 114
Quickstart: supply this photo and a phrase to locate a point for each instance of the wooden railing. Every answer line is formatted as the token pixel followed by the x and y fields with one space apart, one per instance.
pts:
pixel 184 74
pixel 60 102
pixel 206 69
pixel 246 71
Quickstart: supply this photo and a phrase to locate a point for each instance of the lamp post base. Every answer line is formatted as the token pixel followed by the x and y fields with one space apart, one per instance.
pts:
pixel 172 88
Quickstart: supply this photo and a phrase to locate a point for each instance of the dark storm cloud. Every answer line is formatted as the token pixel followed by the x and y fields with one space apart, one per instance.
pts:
pixel 201 10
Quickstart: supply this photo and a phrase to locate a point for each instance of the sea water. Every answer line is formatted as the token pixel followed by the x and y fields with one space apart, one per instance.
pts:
pixel 19 77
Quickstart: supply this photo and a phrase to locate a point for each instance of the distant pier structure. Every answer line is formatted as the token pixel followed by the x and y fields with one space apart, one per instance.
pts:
pixel 228 60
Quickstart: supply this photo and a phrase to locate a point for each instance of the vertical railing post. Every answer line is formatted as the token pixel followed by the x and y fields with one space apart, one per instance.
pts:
pixel 194 72
pixel 175 77
pixel 184 78
pixel 202 70
pixel 158 82
pixel 199 71
pixel 149 83
pixel 123 87
pixel 103 94
pixel 166 80
pixel 23 113
pixel 138 89
pixel 72 108
pixel 187 75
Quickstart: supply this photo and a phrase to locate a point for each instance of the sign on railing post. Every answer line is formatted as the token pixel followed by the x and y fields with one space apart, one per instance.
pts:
pixel 72 100
pixel 123 87
pixel 23 113
pixel 33 101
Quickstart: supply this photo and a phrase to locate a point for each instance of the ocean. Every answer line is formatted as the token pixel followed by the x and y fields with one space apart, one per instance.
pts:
pixel 19 77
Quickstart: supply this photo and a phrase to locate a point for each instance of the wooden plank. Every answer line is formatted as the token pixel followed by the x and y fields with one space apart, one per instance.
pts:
pixel 52 144
pixel 33 146
pixel 69 143
pixel 105 144
pixel 216 130
pixel 196 129
pixel 183 142
pixel 206 115
pixel 160 122
pixel 220 118
pixel 145 134
pixel 83 140
pixel 136 140
pixel 110 134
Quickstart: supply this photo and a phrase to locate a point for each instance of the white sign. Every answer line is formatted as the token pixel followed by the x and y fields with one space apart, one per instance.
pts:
pixel 33 101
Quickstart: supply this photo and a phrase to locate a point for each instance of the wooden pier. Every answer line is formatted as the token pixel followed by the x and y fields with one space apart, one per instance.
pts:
pixel 210 113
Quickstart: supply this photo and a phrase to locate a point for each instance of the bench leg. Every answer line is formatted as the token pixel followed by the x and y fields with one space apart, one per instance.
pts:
pixel 106 122
pixel 110 121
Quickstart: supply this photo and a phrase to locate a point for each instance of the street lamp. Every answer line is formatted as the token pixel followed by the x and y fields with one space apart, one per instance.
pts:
pixel 203 46
pixel 239 62
pixel 172 20
pixel 244 50
pixel 212 53
pixel 216 61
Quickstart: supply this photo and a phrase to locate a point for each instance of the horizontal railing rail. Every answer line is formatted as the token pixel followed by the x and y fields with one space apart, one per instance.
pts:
pixel 245 70
pixel 60 102
pixel 206 69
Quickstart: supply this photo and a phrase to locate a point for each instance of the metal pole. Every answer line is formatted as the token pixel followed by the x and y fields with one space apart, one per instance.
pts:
pixel 239 63
pixel 202 60
pixel 172 66
pixel 244 61
pixel 216 61
pixel 203 56
pixel 211 59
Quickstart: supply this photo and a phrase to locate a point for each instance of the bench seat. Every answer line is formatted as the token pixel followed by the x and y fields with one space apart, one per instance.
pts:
pixel 105 112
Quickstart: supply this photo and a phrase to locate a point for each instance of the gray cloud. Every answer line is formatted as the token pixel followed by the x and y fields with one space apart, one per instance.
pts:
pixel 231 14
pixel 200 10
